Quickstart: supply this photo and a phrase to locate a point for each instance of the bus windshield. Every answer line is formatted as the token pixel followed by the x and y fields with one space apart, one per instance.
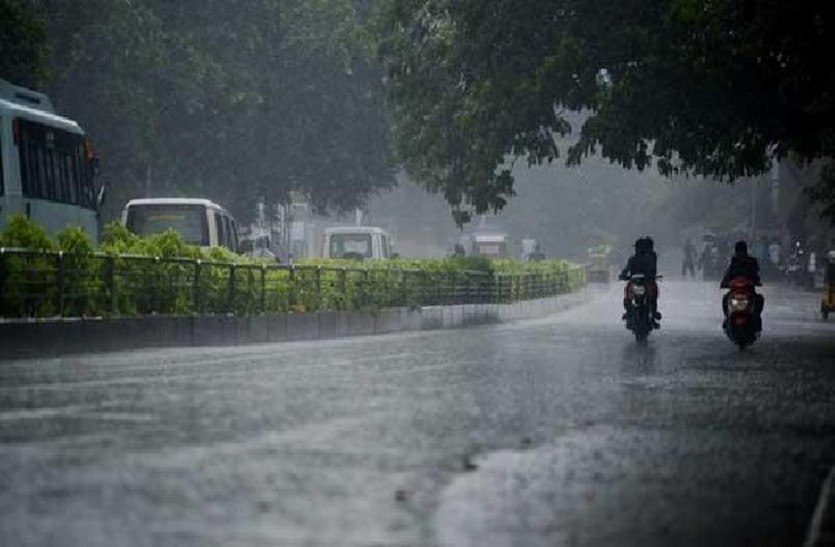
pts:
pixel 186 219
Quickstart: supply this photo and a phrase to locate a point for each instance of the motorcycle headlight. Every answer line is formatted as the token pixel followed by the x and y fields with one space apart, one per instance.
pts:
pixel 639 290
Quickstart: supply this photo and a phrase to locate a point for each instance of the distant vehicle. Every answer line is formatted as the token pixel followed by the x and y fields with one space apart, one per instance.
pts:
pixel 531 250
pixel 600 265
pixel 257 244
pixel 356 242
pixel 200 221
pixel 490 244
pixel 712 258
pixel 47 164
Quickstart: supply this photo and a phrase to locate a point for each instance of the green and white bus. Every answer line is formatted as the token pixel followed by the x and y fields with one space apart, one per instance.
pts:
pixel 47 164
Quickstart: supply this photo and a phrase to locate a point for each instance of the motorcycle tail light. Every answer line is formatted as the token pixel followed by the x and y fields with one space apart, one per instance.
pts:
pixel 738 304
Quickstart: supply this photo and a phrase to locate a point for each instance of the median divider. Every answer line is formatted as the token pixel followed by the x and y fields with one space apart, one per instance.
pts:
pixel 56 337
pixel 55 303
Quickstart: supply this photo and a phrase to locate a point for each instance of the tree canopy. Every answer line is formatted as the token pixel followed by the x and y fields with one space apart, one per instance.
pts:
pixel 23 50
pixel 232 100
pixel 708 88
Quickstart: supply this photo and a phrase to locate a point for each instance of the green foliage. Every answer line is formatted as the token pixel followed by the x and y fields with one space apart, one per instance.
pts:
pixel 704 88
pixel 227 100
pixel 161 274
pixel 23 44
pixel 118 239
pixel 23 233
pixel 74 240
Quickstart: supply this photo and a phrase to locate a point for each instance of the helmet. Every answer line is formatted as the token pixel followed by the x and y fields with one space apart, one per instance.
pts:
pixel 741 248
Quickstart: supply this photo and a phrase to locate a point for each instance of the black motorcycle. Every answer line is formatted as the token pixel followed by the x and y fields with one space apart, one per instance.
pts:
pixel 639 318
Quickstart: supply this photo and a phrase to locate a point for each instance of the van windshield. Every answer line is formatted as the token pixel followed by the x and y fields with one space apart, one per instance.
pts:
pixel 186 219
pixel 350 246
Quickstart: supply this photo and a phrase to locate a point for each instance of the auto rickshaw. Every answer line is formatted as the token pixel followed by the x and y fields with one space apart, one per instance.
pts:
pixel 828 300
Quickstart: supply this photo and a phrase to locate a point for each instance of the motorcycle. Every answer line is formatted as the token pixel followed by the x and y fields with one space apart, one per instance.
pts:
pixel 796 265
pixel 742 326
pixel 639 317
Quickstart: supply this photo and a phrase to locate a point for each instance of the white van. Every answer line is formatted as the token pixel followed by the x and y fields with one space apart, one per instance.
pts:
pixel 356 242
pixel 200 221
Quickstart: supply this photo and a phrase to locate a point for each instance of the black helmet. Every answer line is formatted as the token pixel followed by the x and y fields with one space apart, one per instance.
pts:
pixel 741 248
pixel 649 243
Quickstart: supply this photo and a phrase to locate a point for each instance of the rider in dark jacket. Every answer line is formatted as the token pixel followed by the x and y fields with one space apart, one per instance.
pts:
pixel 743 265
pixel 645 262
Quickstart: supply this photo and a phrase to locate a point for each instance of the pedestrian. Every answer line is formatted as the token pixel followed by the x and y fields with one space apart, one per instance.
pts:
pixel 688 262
pixel 761 250
pixel 774 253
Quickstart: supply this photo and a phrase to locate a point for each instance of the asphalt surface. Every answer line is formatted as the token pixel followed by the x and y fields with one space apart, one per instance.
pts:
pixel 559 431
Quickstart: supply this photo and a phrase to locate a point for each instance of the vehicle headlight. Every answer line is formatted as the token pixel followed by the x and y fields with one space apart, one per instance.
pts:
pixel 639 290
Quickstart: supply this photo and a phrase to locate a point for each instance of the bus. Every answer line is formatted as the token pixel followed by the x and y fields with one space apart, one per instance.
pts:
pixel 200 222
pixel 47 164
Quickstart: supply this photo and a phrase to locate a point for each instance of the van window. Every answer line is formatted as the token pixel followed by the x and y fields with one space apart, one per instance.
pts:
pixel 186 219
pixel 350 246
pixel 384 246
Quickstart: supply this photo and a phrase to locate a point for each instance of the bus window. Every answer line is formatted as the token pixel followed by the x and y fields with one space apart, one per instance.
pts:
pixel 186 219
pixel 53 165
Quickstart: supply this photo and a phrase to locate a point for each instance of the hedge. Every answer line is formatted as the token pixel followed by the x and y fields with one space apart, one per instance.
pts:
pixel 129 276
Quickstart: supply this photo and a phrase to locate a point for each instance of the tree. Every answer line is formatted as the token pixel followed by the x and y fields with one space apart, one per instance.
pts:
pixel 706 88
pixel 23 49
pixel 228 100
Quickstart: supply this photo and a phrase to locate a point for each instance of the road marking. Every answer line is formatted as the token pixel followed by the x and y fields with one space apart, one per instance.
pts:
pixel 813 534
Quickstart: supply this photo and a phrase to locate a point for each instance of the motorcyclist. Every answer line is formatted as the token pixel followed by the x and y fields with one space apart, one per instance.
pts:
pixel 746 266
pixel 645 262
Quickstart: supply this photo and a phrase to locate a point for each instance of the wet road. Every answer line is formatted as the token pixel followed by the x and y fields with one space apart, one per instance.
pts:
pixel 559 431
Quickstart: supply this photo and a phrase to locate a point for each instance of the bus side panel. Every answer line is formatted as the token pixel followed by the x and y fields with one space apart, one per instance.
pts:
pixel 53 216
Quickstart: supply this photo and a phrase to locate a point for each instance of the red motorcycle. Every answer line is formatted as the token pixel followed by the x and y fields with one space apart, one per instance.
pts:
pixel 743 324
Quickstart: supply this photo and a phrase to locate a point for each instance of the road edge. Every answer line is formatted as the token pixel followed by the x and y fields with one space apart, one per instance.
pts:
pixel 821 531
pixel 59 337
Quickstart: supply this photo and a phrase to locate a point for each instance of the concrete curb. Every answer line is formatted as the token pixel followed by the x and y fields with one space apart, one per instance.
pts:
pixel 44 338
